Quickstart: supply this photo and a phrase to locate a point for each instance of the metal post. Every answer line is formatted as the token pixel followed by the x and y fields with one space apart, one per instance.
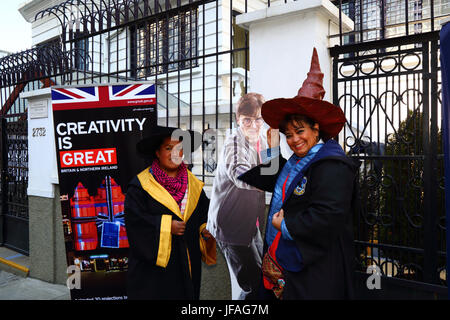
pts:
pixel 340 23
pixel 4 179
pixel 383 19
pixel 335 84
pixel 432 14
pixel 429 225
pixel 433 156
pixel 361 21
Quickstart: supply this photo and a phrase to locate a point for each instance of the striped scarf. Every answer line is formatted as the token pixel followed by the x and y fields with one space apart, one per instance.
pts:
pixel 175 186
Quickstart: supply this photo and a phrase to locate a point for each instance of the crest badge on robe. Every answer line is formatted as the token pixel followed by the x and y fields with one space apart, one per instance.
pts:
pixel 300 189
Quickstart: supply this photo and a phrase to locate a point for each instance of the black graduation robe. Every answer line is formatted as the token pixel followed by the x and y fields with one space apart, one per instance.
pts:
pixel 162 265
pixel 320 220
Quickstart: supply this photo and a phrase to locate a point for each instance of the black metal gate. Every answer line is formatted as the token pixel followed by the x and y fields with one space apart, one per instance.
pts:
pixel 14 170
pixel 389 90
pixel 20 72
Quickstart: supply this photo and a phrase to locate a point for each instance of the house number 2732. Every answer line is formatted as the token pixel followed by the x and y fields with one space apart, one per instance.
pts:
pixel 39 132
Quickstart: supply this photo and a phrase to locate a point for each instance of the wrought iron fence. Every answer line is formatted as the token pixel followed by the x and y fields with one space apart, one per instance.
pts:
pixel 389 91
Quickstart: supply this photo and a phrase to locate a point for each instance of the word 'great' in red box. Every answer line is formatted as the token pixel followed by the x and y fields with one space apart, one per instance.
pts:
pixel 84 158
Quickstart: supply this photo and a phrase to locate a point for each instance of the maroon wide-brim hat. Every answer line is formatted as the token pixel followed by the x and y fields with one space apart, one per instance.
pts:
pixel 308 102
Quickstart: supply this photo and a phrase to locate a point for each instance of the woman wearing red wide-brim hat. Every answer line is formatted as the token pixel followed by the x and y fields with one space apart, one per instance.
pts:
pixel 309 242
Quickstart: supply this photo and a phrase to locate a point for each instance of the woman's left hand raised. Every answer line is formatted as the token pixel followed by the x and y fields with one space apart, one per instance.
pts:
pixel 277 219
pixel 273 137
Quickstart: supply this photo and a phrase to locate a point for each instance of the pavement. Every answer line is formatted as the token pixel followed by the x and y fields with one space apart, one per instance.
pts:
pixel 16 284
pixel 14 287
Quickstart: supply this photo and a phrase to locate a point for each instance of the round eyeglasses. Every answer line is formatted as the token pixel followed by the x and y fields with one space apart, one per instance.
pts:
pixel 247 122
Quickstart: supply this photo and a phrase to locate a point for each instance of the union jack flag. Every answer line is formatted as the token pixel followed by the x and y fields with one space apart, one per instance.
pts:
pixel 87 97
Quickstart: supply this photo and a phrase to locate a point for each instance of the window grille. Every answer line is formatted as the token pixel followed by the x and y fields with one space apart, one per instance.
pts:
pixel 165 45
pixel 380 19
pixel 81 52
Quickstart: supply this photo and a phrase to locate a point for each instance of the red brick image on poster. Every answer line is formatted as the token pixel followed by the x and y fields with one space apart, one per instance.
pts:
pixel 89 213
pixel 90 157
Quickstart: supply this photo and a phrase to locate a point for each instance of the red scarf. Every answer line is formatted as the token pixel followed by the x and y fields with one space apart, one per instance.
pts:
pixel 175 186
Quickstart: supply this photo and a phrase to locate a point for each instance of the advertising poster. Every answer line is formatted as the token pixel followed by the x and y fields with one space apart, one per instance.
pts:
pixel 96 131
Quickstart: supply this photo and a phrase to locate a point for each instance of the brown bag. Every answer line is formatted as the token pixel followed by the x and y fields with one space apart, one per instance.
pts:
pixel 273 276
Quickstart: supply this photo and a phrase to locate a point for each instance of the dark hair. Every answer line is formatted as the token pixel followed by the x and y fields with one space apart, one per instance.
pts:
pixel 158 144
pixel 297 119
pixel 160 141
pixel 249 104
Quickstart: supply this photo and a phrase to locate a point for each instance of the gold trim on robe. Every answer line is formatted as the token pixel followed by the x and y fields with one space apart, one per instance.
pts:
pixel 189 261
pixel 165 241
pixel 195 188
pixel 160 194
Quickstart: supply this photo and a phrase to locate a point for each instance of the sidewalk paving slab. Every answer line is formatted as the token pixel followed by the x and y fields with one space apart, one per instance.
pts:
pixel 14 262
pixel 14 287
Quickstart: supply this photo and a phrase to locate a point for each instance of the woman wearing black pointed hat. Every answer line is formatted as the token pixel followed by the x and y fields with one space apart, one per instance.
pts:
pixel 308 241
pixel 165 214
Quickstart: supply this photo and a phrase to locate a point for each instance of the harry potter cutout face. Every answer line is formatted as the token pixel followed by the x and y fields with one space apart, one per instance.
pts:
pixel 250 126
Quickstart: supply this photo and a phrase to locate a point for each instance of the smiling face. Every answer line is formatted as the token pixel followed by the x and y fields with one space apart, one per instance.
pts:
pixel 170 154
pixel 301 137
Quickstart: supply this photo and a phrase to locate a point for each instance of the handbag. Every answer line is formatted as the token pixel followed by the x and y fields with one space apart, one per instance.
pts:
pixel 273 276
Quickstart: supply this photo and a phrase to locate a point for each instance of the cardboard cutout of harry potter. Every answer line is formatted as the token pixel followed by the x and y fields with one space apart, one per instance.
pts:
pixel 237 210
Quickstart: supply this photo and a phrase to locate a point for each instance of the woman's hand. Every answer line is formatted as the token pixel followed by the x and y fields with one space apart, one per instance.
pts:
pixel 273 138
pixel 277 219
pixel 178 227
